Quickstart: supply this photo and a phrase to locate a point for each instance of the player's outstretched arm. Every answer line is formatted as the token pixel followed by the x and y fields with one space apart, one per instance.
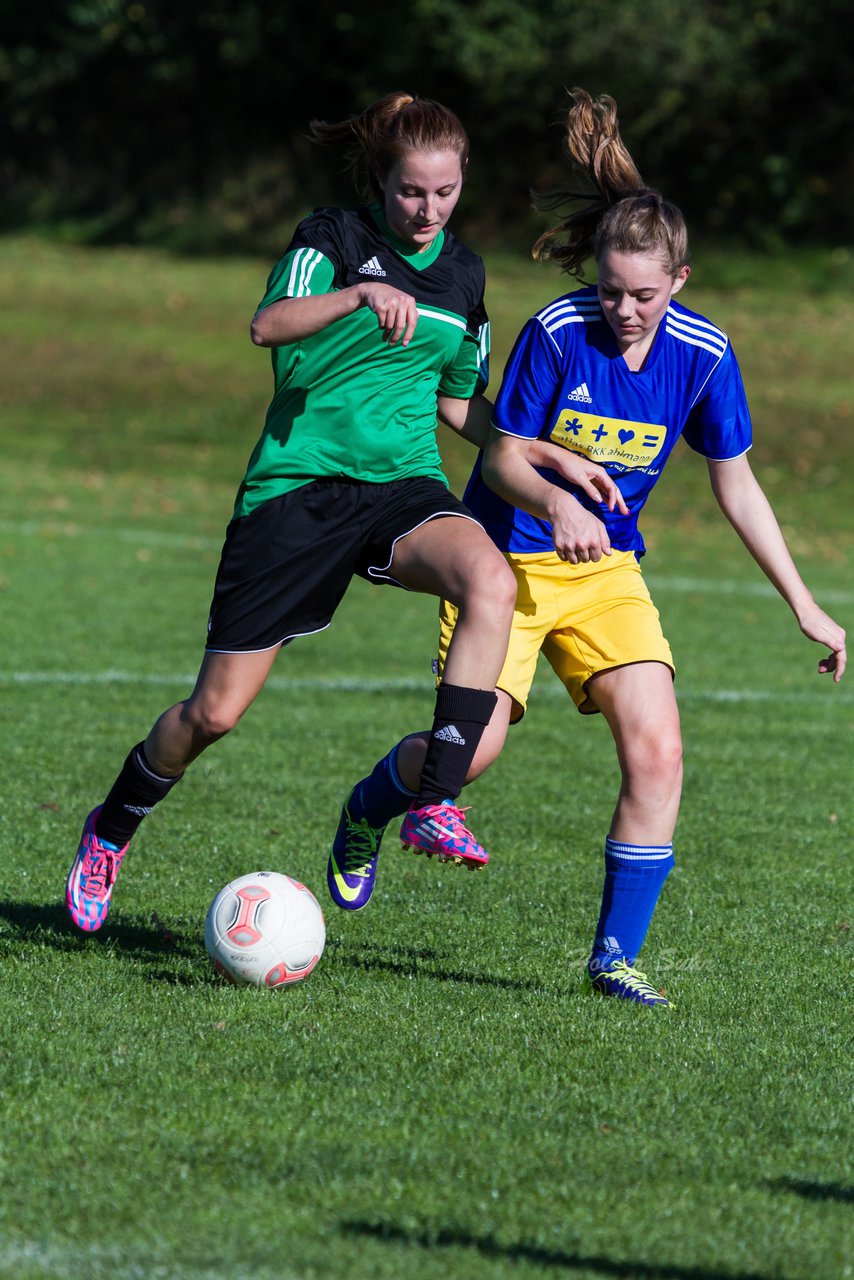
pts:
pixel 578 535
pixel 744 504
pixel 471 420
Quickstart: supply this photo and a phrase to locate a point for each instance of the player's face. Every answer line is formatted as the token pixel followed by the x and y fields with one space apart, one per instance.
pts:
pixel 420 194
pixel 634 292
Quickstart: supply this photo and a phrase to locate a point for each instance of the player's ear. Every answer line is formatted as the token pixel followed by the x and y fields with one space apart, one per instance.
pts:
pixel 679 279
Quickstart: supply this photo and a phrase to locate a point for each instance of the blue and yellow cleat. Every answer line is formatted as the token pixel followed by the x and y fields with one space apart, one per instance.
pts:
pixel 624 982
pixel 352 867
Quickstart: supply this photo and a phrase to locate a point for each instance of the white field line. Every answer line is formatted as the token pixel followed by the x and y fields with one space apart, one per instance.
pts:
pixel 34 1257
pixel 146 537
pixel 728 587
pixel 191 542
pixel 401 684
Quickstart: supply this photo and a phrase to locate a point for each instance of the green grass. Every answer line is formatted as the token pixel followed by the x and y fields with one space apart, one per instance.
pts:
pixel 438 1099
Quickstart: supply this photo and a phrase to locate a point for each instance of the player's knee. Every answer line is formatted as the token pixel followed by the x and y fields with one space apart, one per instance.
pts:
pixel 411 752
pixel 505 588
pixel 656 762
pixel 490 591
pixel 666 759
pixel 211 720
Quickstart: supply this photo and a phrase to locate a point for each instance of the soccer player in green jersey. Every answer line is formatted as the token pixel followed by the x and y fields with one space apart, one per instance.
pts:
pixel 376 323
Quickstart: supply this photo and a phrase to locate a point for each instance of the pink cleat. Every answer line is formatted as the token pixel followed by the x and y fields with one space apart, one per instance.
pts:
pixel 441 829
pixel 89 887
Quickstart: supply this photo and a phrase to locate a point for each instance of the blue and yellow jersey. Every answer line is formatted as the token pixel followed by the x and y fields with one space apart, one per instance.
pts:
pixel 566 381
pixel 345 401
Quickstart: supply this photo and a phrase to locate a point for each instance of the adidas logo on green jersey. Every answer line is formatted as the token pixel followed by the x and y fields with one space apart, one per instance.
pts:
pixel 371 268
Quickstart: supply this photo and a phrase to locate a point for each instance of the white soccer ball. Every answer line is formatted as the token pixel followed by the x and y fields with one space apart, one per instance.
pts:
pixel 265 930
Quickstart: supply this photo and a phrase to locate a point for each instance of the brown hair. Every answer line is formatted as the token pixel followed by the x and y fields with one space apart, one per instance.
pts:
pixel 616 210
pixel 388 129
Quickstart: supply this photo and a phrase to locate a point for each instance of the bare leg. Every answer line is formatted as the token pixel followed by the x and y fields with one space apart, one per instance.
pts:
pixel 640 706
pixel 227 685
pixel 453 558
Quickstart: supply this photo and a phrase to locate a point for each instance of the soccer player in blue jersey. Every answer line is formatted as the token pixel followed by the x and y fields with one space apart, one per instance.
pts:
pixel 615 373
pixel 376 322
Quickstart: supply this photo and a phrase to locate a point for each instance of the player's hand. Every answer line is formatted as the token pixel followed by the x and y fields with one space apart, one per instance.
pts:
pixel 579 536
pixel 396 311
pixel 597 484
pixel 817 625
pixel 586 475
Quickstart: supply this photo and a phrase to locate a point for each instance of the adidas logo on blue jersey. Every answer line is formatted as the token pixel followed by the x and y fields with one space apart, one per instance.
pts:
pixel 371 268
pixel 581 393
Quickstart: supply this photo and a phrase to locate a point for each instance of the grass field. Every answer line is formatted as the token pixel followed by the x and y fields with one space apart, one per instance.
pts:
pixel 438 1099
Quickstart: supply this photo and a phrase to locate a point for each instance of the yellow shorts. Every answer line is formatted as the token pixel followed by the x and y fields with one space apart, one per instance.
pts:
pixel 586 619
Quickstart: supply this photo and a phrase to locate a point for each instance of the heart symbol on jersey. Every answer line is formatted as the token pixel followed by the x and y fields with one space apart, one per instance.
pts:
pixel 625 436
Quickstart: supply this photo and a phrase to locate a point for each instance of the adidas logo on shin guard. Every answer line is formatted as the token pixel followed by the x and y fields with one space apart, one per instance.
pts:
pixel 450 733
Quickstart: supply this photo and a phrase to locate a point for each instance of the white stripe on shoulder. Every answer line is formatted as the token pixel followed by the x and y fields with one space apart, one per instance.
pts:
pixel 696 332
pixel 302 269
pixel 567 311
pixel 696 341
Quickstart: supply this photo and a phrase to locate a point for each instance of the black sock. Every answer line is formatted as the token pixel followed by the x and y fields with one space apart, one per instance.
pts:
pixel 460 718
pixel 134 794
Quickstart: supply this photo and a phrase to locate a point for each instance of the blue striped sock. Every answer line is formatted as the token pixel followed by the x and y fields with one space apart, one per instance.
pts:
pixel 634 876
pixel 382 795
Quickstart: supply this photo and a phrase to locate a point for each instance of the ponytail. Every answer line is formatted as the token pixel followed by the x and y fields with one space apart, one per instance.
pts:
pixel 615 209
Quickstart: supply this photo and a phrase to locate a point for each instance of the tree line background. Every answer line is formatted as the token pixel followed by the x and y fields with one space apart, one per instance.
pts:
pixel 185 124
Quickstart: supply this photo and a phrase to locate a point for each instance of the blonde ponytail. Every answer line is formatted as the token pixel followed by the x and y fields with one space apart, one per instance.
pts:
pixel 615 209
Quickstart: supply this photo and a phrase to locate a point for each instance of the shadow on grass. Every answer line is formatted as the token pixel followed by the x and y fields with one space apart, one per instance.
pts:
pixel 419 962
pixel 815 1190
pixel 488 1247
pixel 49 923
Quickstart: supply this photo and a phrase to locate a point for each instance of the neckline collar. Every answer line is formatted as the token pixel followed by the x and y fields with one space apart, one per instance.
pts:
pixel 419 258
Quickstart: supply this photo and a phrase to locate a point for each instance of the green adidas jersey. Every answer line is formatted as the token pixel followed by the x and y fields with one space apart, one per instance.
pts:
pixel 345 402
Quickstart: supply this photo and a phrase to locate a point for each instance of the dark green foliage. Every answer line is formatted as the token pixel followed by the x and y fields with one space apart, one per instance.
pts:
pixel 186 123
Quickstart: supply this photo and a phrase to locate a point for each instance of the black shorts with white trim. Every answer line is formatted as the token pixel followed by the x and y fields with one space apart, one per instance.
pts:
pixel 285 567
